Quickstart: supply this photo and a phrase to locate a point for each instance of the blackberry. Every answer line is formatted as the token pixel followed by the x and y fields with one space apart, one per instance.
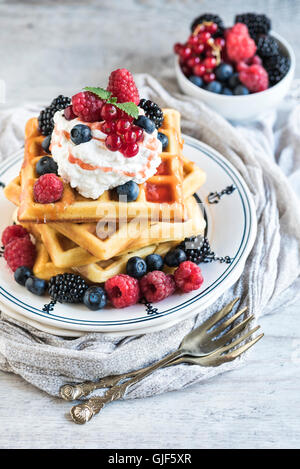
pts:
pixel 67 288
pixel 197 249
pixel 153 111
pixel 257 24
pixel 266 46
pixel 210 17
pixel 277 67
pixel 45 118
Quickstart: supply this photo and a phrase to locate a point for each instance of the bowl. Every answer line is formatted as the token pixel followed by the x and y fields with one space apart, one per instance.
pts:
pixel 245 107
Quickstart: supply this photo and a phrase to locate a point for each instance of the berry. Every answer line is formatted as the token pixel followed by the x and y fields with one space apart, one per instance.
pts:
pixel 122 125
pixel 109 112
pixel 13 232
pixel 145 123
pixel 46 144
pixel 153 111
pixel 185 52
pixel 139 133
pixel 210 63
pixel 234 81
pixel 208 77
pixel 266 46
pixel 214 87
pixel 130 136
pixel 45 119
pixel 36 285
pixel 67 288
pixel 203 37
pixel 276 67
pixel 193 61
pixel 136 267
pixel 22 274
pixel 130 150
pixel 223 72
pixel 197 49
pixel 108 127
pixel 156 286
pixel 20 252
pixel 122 86
pixel 95 298
pixel 174 257
pixel 69 113
pixel 239 45
pixel 255 78
pixel 130 189
pixel 257 24
pixel 240 90
pixel 122 290
pixel 226 91
pixel 196 248
pixel 48 189
pixel 46 165
pixel 80 134
pixel 164 140
pixel 87 106
pixel 113 142
pixel 188 276
pixel 199 70
pixel 208 17
pixel 154 262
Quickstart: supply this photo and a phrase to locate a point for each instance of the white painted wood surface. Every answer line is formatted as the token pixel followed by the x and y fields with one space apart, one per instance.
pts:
pixel 53 47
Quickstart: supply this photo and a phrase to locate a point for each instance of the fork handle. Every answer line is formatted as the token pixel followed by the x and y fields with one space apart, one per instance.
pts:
pixel 82 413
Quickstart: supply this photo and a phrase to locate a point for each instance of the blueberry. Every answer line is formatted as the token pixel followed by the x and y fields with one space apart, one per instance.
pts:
pixel 174 257
pixel 213 87
pixel 233 81
pixel 145 123
pixel 22 274
pixel 45 165
pixel 154 262
pixel 164 140
pixel 35 285
pixel 130 189
pixel 223 72
pixel 227 91
pixel 240 90
pixel 46 143
pixel 80 134
pixel 136 267
pixel 95 298
pixel 196 80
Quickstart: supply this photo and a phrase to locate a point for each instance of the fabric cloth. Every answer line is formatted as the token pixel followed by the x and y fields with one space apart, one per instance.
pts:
pixel 266 153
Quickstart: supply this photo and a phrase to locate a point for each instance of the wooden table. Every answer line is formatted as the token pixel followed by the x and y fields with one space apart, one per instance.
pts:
pixel 48 49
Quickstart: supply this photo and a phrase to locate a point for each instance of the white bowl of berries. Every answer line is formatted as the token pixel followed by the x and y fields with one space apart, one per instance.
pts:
pixel 241 71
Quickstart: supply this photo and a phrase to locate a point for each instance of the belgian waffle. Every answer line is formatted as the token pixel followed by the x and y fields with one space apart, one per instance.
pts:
pixel 161 196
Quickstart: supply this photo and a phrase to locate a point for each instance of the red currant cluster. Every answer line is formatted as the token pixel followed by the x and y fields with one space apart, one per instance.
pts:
pixel 122 134
pixel 201 54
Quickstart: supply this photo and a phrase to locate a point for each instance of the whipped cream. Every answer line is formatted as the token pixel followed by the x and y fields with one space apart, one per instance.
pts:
pixel 91 167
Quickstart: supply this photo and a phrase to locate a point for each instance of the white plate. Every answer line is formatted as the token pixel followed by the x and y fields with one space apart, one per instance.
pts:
pixel 231 231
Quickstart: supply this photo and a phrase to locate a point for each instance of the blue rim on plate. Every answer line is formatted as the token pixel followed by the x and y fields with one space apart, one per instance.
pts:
pixel 249 229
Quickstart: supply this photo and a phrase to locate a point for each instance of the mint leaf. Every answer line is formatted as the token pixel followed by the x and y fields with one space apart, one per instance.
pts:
pixel 130 108
pixel 100 92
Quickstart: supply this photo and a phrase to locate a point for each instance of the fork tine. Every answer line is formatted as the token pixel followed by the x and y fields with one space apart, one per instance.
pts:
pixel 245 347
pixel 228 347
pixel 232 333
pixel 215 332
pixel 212 320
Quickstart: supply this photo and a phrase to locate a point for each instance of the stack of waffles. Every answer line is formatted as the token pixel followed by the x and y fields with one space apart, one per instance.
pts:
pixel 95 238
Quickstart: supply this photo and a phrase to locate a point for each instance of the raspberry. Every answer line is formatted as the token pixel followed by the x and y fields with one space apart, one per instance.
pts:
pixel 20 252
pixel 13 232
pixel 188 276
pixel 122 86
pixel 48 188
pixel 255 78
pixel 239 45
pixel 122 290
pixel 156 286
pixel 87 106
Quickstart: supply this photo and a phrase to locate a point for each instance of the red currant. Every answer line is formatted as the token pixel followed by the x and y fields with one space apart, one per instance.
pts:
pixel 177 47
pixel 220 42
pixel 130 136
pixel 186 70
pixel 108 127
pixel 207 77
pixel 204 37
pixel 212 28
pixel 139 133
pixel 122 125
pixel 185 52
pixel 193 61
pixel 198 48
pixel 113 142
pixel 210 63
pixel 192 40
pixel 109 112
pixel 130 150
pixel 199 70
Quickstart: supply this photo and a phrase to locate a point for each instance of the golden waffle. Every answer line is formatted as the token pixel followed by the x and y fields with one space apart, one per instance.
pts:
pixel 161 196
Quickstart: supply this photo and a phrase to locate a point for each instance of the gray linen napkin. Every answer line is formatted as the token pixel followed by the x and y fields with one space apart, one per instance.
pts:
pixel 266 153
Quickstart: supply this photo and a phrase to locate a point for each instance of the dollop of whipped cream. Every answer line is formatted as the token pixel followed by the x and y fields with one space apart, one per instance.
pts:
pixel 91 167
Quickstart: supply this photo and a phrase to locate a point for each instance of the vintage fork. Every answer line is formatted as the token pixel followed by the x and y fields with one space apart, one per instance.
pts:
pixel 198 342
